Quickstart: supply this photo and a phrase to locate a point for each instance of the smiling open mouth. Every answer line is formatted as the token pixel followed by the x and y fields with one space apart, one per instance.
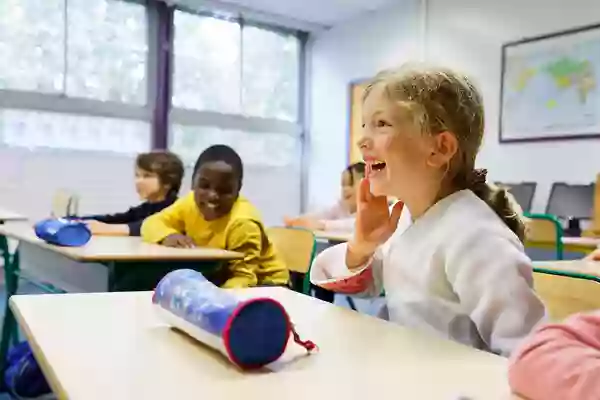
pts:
pixel 378 165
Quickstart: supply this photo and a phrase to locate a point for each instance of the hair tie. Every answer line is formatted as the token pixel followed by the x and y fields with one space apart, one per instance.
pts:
pixel 477 177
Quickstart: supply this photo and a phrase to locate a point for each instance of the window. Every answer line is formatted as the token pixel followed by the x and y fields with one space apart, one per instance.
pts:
pixel 106 51
pixel 32 43
pixel 77 73
pixel 207 63
pixel 37 129
pixel 226 67
pixel 237 83
pixel 255 149
pixel 270 74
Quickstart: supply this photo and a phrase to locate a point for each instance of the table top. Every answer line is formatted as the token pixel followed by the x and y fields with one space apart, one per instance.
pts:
pixel 574 268
pixel 123 350
pixel 117 248
pixel 332 236
pixel 582 241
pixel 8 215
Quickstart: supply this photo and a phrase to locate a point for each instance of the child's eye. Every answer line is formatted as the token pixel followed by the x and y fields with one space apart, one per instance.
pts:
pixel 381 123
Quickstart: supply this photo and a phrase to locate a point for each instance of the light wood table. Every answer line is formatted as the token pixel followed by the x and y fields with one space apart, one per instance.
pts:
pixel 581 269
pixel 571 244
pixel 7 215
pixel 118 248
pixel 122 350
pixel 131 263
pixel 333 237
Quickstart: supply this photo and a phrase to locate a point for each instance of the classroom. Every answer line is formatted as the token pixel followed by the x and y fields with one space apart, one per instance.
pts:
pixel 300 199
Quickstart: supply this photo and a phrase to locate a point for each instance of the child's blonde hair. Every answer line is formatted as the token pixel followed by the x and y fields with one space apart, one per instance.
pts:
pixel 438 100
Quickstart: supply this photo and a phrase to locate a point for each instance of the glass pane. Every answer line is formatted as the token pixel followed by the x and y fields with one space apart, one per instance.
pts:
pixel 271 63
pixel 107 50
pixel 31 45
pixel 37 129
pixel 189 141
pixel 207 63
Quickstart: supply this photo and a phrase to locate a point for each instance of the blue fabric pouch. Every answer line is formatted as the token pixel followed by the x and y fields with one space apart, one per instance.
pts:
pixel 23 377
pixel 250 332
pixel 63 232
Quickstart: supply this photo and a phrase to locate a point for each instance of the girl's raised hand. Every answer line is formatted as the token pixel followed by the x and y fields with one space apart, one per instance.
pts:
pixel 374 224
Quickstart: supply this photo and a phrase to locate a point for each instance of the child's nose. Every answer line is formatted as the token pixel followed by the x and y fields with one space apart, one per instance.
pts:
pixel 364 144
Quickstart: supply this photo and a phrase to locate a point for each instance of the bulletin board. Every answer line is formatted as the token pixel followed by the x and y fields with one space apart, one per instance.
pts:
pixel 355 94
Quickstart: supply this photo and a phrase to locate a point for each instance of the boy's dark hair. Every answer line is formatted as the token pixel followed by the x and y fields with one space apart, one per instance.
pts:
pixel 357 168
pixel 168 166
pixel 221 152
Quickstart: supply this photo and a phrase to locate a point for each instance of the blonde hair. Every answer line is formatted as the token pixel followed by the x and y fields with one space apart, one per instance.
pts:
pixel 438 100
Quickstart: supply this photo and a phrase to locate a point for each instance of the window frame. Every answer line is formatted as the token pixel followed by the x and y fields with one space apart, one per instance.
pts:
pixel 158 111
pixel 187 116
pixel 61 103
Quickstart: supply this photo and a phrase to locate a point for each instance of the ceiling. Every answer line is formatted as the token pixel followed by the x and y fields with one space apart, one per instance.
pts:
pixel 325 13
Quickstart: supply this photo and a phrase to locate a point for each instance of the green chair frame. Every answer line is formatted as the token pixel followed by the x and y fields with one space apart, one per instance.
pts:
pixel 558 229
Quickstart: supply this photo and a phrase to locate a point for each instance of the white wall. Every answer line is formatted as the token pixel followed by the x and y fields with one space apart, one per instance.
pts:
pixel 464 34
pixel 468 34
pixel 29 179
pixel 104 182
pixel 354 50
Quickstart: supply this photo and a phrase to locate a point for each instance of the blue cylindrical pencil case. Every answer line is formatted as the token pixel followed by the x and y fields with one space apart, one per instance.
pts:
pixel 251 333
pixel 63 232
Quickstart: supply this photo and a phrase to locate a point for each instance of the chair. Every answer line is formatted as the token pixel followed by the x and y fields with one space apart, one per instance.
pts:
pixel 564 296
pixel 543 230
pixel 522 192
pixel 64 204
pixel 297 247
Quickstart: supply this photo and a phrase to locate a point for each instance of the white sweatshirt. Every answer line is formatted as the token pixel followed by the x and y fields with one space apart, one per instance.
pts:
pixel 458 272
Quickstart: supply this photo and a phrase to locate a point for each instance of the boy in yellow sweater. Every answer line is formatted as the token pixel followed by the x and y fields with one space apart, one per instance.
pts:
pixel 215 215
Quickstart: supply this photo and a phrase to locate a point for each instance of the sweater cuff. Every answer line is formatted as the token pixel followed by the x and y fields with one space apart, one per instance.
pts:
pixel 135 228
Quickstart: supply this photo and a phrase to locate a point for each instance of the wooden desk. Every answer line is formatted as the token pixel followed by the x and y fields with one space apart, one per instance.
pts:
pixel 570 244
pixel 123 351
pixel 118 248
pixel 581 269
pixel 131 263
pixel 8 215
pixel 333 237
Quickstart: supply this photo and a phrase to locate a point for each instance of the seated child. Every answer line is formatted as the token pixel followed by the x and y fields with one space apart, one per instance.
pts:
pixel 214 214
pixel 559 361
pixel 158 176
pixel 339 217
pixel 455 266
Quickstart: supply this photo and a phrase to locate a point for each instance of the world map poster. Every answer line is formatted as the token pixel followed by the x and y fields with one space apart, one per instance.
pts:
pixel 550 87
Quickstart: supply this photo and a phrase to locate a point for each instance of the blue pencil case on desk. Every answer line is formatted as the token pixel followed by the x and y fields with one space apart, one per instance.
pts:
pixel 63 232
pixel 251 332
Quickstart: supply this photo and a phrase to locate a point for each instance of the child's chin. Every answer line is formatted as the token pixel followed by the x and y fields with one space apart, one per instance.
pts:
pixel 378 189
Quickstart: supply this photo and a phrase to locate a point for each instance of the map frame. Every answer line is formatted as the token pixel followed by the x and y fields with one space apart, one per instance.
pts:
pixel 567 34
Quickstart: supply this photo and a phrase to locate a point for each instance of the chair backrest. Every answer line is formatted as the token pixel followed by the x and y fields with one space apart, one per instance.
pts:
pixel 522 192
pixel 571 201
pixel 295 246
pixel 564 296
pixel 64 204
pixel 543 229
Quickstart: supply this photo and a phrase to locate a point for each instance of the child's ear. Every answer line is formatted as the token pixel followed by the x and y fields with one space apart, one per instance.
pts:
pixel 444 146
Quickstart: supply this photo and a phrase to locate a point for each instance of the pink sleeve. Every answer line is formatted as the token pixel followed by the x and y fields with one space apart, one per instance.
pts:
pixel 559 361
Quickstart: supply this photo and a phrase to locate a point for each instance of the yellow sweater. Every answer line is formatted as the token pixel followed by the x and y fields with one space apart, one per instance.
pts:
pixel 241 230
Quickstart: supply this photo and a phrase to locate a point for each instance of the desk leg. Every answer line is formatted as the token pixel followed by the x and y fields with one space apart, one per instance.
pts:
pixel 9 326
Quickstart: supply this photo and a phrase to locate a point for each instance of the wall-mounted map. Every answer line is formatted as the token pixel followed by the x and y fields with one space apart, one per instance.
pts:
pixel 550 87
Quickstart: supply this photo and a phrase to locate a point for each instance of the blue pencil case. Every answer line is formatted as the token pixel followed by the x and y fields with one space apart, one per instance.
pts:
pixel 63 232
pixel 251 333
